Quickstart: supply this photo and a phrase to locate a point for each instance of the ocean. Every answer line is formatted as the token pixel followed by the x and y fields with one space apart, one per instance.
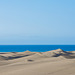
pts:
pixel 35 48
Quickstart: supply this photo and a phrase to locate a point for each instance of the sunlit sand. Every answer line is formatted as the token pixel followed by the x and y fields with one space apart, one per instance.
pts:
pixel 55 62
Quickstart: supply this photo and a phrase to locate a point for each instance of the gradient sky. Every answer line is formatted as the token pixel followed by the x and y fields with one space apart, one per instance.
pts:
pixel 26 22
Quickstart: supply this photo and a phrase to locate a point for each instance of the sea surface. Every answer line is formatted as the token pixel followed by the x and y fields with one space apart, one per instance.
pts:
pixel 35 48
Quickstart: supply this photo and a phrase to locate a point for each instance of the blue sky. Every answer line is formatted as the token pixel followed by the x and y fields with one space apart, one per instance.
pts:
pixel 37 22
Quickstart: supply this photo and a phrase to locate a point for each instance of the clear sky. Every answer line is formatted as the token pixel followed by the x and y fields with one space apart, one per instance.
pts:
pixel 37 22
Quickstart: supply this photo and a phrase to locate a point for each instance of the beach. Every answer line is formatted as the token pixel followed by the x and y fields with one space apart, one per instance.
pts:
pixel 55 62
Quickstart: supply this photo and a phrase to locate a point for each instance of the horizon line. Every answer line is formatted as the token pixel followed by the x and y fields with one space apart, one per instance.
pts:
pixel 38 44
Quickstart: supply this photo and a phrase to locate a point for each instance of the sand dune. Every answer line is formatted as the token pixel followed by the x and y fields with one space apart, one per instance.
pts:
pixel 55 62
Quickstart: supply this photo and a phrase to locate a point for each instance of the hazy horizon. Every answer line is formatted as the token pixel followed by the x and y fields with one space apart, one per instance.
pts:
pixel 41 22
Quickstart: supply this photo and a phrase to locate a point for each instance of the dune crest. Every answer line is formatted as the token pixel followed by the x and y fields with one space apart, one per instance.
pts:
pixel 52 53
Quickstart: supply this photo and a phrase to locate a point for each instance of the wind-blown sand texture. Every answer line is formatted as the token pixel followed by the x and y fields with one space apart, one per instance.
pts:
pixel 55 62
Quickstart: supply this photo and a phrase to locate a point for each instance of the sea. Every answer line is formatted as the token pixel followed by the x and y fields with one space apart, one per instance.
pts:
pixel 35 48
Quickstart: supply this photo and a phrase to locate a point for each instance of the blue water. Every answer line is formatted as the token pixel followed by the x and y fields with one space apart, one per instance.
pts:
pixel 35 48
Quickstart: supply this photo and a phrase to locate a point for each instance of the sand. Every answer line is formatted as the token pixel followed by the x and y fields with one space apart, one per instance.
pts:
pixel 55 62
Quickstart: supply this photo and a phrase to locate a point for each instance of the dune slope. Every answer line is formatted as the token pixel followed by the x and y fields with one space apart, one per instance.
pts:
pixel 55 62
